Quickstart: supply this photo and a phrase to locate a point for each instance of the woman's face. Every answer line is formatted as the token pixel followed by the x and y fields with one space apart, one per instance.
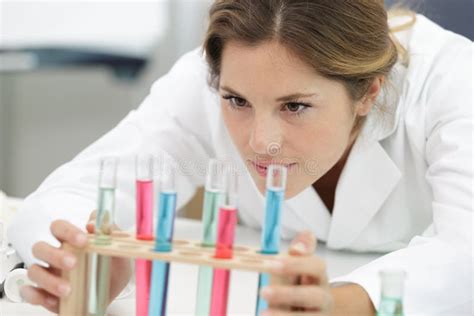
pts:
pixel 279 110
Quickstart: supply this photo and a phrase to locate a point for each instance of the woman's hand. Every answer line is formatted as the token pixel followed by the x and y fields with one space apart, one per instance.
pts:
pixel 310 294
pixel 50 286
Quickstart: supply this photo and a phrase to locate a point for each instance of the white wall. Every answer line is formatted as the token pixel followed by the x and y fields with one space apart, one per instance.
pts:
pixel 131 27
pixel 48 116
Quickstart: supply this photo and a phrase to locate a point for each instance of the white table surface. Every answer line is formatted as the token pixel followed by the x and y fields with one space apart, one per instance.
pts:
pixel 183 279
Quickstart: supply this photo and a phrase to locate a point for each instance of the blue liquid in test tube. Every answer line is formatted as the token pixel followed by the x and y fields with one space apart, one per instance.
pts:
pixel 271 233
pixel 275 192
pixel 163 243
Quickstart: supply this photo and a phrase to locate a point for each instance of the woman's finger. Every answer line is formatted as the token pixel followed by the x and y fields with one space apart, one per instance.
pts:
pixel 93 215
pixel 303 244
pixel 306 296
pixel 67 232
pixel 36 296
pixel 91 223
pixel 48 281
pixel 311 266
pixel 53 256
pixel 90 226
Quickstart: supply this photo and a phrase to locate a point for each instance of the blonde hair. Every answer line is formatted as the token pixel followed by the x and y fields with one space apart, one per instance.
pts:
pixel 400 10
pixel 349 41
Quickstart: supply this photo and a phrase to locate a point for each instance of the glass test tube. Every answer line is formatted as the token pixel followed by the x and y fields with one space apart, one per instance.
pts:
pixel 275 192
pixel 213 199
pixel 391 303
pixel 163 240
pixel 99 267
pixel 144 196
pixel 144 228
pixel 225 240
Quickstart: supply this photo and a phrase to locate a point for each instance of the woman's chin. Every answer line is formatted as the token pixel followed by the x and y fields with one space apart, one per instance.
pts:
pixel 292 193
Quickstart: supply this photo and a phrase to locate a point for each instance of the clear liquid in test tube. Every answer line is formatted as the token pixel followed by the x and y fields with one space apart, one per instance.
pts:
pixel 99 266
pixel 213 199
pixel 391 302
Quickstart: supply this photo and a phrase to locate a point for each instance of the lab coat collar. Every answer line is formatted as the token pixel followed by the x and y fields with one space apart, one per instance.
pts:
pixel 367 180
pixel 306 211
pixel 383 120
pixel 370 175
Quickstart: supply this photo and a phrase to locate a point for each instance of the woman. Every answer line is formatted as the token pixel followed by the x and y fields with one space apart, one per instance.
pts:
pixel 374 127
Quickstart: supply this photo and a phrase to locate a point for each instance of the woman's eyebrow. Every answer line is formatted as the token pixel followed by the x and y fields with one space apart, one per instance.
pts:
pixel 230 90
pixel 289 97
pixel 294 96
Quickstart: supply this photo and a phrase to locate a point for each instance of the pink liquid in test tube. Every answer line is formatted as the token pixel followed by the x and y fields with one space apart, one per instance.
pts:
pixel 224 244
pixel 144 200
pixel 145 209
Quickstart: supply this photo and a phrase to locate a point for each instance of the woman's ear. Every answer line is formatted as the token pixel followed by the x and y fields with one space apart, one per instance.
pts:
pixel 367 102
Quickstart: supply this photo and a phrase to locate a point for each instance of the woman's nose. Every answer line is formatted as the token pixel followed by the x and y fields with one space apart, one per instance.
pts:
pixel 265 138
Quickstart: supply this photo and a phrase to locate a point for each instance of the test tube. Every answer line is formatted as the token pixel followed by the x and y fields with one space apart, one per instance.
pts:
pixel 99 268
pixel 144 228
pixel 213 199
pixel 275 192
pixel 144 196
pixel 225 240
pixel 391 303
pixel 163 240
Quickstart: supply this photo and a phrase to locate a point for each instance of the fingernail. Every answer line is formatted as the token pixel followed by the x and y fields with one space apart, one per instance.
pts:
pixel 51 301
pixel 274 265
pixel 69 261
pixel 266 313
pixel 81 239
pixel 64 290
pixel 299 247
pixel 266 292
pixel 25 293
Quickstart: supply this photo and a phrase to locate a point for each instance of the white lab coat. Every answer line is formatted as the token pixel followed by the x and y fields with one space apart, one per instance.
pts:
pixel 406 187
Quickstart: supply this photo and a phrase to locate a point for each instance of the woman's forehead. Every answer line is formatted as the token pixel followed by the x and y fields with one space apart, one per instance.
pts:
pixel 266 64
pixel 270 54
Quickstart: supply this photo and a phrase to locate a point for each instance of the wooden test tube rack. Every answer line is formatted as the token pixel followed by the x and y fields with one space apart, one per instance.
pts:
pixel 127 246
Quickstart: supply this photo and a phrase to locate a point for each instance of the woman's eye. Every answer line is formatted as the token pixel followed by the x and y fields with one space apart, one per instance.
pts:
pixel 236 101
pixel 296 108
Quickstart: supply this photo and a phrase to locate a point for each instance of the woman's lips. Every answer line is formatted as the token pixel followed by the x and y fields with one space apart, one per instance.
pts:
pixel 262 168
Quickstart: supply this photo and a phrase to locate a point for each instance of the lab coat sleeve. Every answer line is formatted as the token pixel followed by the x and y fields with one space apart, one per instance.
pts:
pixel 160 126
pixel 439 267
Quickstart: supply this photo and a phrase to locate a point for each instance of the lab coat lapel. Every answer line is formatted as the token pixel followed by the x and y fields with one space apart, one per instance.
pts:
pixel 370 175
pixel 365 183
pixel 306 211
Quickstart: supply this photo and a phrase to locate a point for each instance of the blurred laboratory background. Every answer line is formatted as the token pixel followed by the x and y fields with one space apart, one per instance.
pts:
pixel 70 70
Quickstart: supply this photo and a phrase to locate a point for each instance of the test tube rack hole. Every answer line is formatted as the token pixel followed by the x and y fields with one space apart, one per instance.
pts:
pixel 125 245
